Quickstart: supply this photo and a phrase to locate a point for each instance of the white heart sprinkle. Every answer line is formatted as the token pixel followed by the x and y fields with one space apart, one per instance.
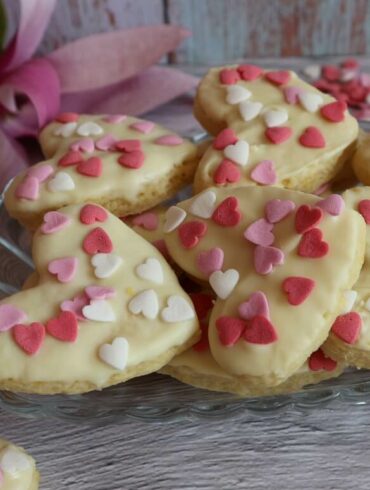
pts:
pixel 105 264
pixel 312 71
pixel 146 303
pixel 236 94
pixel 99 310
pixel 275 118
pixel 89 128
pixel 350 297
pixel 151 270
pixel 174 217
pixel 177 310
pixel 13 461
pixel 238 153
pixel 115 354
pixel 61 182
pixel 223 283
pixel 310 101
pixel 65 130
pixel 249 110
pixel 347 75
pixel 203 205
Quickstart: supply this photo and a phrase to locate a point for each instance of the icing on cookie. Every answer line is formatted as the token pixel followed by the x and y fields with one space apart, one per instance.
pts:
pixel 97 159
pixel 274 117
pixel 303 285
pixel 17 468
pixel 90 274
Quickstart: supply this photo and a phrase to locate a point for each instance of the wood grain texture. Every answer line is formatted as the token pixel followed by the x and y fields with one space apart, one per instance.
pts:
pixel 324 449
pixel 225 30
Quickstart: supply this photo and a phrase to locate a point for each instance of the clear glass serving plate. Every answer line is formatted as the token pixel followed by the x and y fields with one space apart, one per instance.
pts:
pixel 156 397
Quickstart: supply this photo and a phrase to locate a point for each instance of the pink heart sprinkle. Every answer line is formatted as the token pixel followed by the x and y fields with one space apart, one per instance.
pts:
pixel 259 233
pixel 106 143
pixel 144 127
pixel 149 221
pixel 169 140
pixel 40 172
pixel 10 316
pixel 114 118
pixel 265 258
pixel 75 305
pixel 54 221
pixel 28 189
pixel 100 292
pixel 291 94
pixel 86 145
pixel 264 173
pixel 65 269
pixel 257 304
pixel 365 79
pixel 333 204
pixel 276 209
pixel 211 260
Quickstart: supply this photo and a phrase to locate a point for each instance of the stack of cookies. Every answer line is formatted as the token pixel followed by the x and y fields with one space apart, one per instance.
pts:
pixel 256 285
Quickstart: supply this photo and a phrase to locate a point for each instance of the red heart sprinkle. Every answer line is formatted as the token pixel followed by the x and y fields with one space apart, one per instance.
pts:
pixel 249 72
pixel 307 217
pixel 128 146
pixel 364 209
pixel 66 117
pixel 312 138
pixel 224 138
pixel 64 327
pixel 91 213
pixel 70 158
pixel 334 112
pixel 226 172
pixel 203 344
pixel 278 135
pixel 203 303
pixel 229 329
pixel 229 76
pixel 330 72
pixel 319 362
pixel 298 289
pixel 134 160
pixel 259 330
pixel 97 241
pixel 29 337
pixel 350 63
pixel 347 327
pixel 312 245
pixel 227 213
pixel 278 77
pixel 191 232
pixel 93 167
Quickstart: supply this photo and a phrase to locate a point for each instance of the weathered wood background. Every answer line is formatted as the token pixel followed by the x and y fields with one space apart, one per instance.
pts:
pixel 223 29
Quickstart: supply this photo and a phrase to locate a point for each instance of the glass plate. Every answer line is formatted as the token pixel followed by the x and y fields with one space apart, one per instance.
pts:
pixel 156 397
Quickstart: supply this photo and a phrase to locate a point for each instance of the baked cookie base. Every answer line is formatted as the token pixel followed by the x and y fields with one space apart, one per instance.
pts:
pixel 238 386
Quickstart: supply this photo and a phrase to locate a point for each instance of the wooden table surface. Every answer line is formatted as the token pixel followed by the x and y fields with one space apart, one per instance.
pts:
pixel 322 448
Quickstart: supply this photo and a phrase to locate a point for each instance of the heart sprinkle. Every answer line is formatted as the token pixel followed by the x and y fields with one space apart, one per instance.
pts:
pixel 227 213
pixel 191 232
pixel 115 354
pixel 347 327
pixel 64 327
pixel 97 241
pixel 312 245
pixel 298 289
pixel 29 337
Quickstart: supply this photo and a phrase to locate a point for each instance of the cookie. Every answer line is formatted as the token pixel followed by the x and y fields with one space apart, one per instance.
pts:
pixel 361 159
pixel 197 366
pixel 126 164
pixel 103 298
pixel 270 128
pixel 349 340
pixel 17 468
pixel 280 272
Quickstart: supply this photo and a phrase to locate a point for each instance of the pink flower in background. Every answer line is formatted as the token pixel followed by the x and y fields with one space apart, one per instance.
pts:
pixel 103 73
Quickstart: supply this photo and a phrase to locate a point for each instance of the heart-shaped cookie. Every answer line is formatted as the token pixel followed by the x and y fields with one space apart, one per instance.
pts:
pixel 83 301
pixel 127 167
pixel 271 289
pixel 275 116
